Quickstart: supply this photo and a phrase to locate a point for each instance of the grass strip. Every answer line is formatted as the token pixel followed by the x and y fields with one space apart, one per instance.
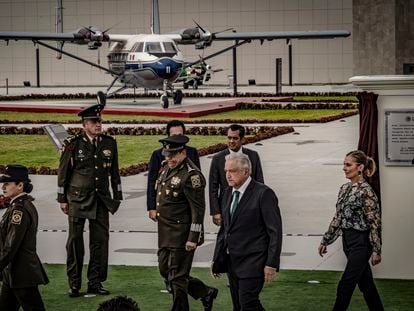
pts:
pixel 291 292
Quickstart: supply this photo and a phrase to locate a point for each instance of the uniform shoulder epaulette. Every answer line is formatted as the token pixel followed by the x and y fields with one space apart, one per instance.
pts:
pixel 70 139
pixel 190 168
pixel 106 135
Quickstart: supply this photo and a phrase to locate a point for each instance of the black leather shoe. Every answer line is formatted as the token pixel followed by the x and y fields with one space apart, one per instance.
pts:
pixel 98 290
pixel 73 292
pixel 209 299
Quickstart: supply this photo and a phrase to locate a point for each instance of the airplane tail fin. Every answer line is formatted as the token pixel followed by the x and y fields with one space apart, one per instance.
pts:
pixel 155 18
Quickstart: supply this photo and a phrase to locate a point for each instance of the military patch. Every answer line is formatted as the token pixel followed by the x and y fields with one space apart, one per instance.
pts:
pixel 196 181
pixel 17 217
pixel 107 152
pixel 175 181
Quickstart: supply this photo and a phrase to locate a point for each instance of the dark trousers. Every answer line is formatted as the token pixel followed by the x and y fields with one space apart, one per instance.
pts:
pixel 175 265
pixel 245 292
pixel 11 299
pixel 98 248
pixel 358 251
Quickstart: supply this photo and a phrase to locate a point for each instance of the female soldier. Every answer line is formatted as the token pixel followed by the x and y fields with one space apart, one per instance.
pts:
pixel 358 218
pixel 20 267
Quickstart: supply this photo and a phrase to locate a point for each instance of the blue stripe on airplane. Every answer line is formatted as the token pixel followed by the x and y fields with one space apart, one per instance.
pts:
pixel 165 68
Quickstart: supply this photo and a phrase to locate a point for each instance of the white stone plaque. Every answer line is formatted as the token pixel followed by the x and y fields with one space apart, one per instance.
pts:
pixel 399 137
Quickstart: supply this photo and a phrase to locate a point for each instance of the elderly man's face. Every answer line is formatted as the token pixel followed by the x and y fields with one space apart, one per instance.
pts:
pixel 235 174
pixel 93 127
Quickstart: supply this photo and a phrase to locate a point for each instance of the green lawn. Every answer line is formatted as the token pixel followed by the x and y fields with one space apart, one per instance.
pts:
pixel 275 115
pixel 37 150
pixel 290 292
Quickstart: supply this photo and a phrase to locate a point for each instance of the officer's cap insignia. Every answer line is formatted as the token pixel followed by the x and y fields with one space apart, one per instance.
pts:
pixel 107 152
pixel 17 217
pixel 196 181
pixel 175 181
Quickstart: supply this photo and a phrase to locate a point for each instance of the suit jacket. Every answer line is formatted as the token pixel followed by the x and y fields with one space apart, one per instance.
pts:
pixel 154 169
pixel 252 238
pixel 84 173
pixel 217 180
pixel 19 264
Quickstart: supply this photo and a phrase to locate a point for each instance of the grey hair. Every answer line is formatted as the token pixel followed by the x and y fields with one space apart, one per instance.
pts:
pixel 242 159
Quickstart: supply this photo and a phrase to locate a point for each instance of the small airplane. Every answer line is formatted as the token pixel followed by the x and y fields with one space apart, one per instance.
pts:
pixel 196 75
pixel 154 61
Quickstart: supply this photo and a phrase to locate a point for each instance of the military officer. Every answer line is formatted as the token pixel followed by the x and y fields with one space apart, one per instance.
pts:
pixel 87 163
pixel 180 206
pixel 20 267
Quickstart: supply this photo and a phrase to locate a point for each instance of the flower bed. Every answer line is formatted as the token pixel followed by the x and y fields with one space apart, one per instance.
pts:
pixel 256 133
pixel 158 94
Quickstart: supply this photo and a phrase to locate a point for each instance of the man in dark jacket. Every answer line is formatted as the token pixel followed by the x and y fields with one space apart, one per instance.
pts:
pixel 180 212
pixel 174 127
pixel 249 241
pixel 87 163
pixel 217 179
pixel 20 267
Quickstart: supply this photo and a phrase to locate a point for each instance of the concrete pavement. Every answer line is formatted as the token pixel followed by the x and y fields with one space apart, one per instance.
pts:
pixel 304 168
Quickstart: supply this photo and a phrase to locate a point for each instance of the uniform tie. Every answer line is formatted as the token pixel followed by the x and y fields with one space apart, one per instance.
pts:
pixel 234 203
pixel 94 143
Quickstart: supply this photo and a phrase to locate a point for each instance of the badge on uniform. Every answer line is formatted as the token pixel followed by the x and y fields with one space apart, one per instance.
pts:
pixel 17 217
pixel 80 153
pixel 167 191
pixel 175 181
pixel 107 152
pixel 196 181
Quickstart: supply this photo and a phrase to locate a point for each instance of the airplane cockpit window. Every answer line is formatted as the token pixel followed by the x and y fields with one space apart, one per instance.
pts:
pixel 169 47
pixel 153 47
pixel 138 47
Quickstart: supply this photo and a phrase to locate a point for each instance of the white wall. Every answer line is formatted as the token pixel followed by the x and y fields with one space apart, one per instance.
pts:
pixel 397 195
pixel 314 61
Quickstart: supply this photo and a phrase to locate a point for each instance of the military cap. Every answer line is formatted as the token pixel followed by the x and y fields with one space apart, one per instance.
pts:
pixel 92 112
pixel 173 144
pixel 15 173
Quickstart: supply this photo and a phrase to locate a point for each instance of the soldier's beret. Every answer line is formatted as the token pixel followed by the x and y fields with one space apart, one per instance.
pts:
pixel 172 144
pixel 92 112
pixel 15 173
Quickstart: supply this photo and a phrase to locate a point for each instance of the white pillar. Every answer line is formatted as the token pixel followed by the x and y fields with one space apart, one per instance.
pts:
pixel 397 182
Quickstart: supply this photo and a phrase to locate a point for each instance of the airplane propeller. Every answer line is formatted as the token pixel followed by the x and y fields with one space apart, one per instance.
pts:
pixel 207 36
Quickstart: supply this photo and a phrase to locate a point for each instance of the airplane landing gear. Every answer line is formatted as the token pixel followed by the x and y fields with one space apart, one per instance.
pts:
pixel 164 101
pixel 178 97
pixel 101 98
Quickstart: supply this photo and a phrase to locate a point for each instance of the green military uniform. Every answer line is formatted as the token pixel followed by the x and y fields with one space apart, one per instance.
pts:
pixel 20 267
pixel 180 214
pixel 83 183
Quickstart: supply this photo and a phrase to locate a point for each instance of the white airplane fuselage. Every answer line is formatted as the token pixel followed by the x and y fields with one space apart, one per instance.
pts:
pixel 145 60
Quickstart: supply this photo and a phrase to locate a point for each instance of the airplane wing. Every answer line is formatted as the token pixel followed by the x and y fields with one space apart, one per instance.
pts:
pixel 81 36
pixel 203 38
pixel 46 36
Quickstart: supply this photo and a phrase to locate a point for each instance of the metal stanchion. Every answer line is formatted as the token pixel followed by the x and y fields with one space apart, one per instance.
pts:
pixel 278 76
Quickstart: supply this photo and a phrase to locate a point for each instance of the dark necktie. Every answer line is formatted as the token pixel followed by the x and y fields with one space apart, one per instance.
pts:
pixel 94 144
pixel 234 203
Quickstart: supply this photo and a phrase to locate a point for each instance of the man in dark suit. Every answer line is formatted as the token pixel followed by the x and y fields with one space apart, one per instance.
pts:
pixel 217 179
pixel 250 238
pixel 88 165
pixel 174 127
